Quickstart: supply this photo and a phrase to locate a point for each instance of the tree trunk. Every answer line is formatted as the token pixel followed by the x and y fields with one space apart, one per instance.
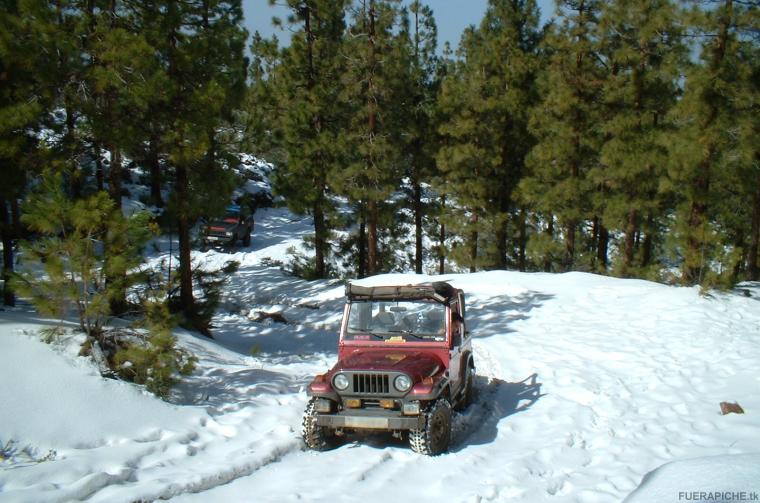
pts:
pixel 155 172
pixel 523 239
pixel 474 244
pixel 417 227
pixel 695 260
pixel 99 176
pixel 569 247
pixel 549 232
pixel 16 218
pixel 601 248
pixel 630 240
pixel 320 230
pixel 646 252
pixel 442 240
pixel 70 151
pixel 362 242
pixel 754 247
pixel 501 244
pixel 372 252
pixel 187 301
pixel 320 240
pixel 114 177
pixel 6 234
pixel 118 300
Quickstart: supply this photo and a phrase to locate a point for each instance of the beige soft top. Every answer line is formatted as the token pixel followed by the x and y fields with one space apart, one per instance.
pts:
pixel 439 291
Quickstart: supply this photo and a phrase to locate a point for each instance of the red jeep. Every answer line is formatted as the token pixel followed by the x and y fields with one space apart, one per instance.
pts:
pixel 404 360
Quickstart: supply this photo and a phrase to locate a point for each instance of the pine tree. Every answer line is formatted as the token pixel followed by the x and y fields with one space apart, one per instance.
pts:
pixel 485 138
pixel 198 97
pixel 70 251
pixel 124 82
pixel 641 42
pixel 417 118
pixel 701 151
pixel 24 98
pixel 371 82
pixel 566 127
pixel 749 103
pixel 308 94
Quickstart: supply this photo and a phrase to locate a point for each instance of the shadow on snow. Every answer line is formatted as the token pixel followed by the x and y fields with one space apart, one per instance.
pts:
pixel 493 316
pixel 495 400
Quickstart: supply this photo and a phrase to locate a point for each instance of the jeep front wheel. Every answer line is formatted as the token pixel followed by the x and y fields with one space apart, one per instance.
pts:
pixel 315 437
pixel 434 437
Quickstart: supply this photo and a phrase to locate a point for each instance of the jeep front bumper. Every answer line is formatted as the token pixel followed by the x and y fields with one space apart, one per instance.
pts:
pixel 370 420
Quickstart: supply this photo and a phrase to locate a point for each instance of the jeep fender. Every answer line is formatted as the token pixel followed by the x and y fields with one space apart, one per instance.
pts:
pixel 320 388
pixel 468 361
pixel 430 390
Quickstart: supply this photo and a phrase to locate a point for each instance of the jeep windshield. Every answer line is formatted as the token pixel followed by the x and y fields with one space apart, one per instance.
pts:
pixel 396 321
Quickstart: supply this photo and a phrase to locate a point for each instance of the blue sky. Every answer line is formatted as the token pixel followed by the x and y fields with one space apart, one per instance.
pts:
pixel 452 16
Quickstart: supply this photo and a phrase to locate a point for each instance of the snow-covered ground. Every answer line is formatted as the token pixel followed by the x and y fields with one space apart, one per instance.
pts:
pixel 585 384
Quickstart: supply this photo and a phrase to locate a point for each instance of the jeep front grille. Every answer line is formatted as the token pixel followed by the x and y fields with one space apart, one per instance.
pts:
pixel 371 384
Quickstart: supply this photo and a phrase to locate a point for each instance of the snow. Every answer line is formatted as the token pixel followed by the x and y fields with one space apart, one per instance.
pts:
pixel 723 478
pixel 585 385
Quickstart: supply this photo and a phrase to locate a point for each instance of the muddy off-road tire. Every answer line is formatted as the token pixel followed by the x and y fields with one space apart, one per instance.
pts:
pixel 317 438
pixel 434 438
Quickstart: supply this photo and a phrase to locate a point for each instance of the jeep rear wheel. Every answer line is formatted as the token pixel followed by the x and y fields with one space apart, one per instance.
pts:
pixel 315 437
pixel 434 437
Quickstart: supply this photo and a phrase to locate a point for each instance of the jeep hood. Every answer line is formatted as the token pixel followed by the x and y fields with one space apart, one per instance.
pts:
pixel 416 364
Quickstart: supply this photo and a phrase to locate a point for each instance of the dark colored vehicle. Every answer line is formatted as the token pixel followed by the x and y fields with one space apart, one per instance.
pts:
pixel 404 361
pixel 236 224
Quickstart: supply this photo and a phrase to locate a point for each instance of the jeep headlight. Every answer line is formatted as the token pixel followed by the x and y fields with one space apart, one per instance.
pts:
pixel 402 382
pixel 228 234
pixel 340 382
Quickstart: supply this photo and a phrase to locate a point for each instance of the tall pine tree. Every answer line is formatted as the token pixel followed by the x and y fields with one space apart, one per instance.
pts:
pixel 566 125
pixel 701 150
pixel 417 118
pixel 643 53
pixel 308 93
pixel 486 138
pixel 373 169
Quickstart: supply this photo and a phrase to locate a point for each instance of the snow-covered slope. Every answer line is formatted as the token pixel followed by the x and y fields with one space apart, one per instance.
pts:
pixel 585 384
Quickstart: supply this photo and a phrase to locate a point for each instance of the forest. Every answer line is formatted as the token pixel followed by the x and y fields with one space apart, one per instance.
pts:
pixel 619 138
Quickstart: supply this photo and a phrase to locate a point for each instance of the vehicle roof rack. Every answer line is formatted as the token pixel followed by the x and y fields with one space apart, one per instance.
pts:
pixel 440 291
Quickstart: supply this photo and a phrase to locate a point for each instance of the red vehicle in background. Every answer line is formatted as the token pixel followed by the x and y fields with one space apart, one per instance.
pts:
pixel 404 361
pixel 235 225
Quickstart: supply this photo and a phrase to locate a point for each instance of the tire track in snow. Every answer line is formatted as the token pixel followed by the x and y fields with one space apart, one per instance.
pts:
pixel 208 481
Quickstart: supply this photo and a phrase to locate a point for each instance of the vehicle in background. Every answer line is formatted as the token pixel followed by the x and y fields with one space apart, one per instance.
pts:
pixel 236 225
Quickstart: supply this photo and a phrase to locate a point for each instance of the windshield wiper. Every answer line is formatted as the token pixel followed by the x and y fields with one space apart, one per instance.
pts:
pixel 359 331
pixel 406 332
